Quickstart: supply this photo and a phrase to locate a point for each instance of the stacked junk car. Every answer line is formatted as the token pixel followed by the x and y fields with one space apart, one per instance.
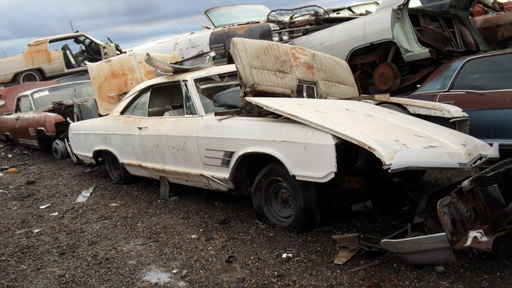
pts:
pixel 292 106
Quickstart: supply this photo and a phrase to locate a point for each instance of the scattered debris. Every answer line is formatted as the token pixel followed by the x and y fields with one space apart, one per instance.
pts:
pixel 287 255
pixel 54 214
pixel 44 206
pixel 349 246
pixel 157 277
pixel 12 170
pixel 386 257
pixel 439 269
pixel 85 194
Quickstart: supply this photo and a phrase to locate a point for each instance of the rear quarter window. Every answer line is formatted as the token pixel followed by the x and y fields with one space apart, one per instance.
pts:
pixel 487 73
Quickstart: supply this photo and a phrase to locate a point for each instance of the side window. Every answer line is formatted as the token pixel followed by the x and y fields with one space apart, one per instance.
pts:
pixel 166 100
pixel 24 104
pixel 158 101
pixel 139 107
pixel 306 90
pixel 487 73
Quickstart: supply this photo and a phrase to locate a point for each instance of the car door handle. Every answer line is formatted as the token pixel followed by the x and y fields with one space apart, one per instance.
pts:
pixel 142 127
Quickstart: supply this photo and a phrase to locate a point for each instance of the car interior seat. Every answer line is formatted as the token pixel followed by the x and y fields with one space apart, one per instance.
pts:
pixel 69 58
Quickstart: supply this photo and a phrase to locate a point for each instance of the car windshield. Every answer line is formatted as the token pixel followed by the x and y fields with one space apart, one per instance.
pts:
pixel 45 98
pixel 236 14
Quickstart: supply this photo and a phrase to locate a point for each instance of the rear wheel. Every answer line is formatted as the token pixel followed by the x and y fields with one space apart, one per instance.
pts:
pixel 28 76
pixel 282 200
pixel 116 171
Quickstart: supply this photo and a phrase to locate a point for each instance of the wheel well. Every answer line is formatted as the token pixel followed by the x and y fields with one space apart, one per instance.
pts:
pixel 247 168
pixel 99 154
pixel 44 140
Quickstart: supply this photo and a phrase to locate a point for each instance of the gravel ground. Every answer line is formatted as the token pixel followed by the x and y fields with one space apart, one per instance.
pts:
pixel 125 236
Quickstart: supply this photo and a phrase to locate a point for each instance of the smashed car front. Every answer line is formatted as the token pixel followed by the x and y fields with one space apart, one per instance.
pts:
pixel 400 141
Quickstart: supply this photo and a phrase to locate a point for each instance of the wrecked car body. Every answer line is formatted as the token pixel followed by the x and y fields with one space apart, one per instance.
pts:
pixel 41 116
pixel 467 215
pixel 251 21
pixel 493 20
pixel 55 56
pixel 8 94
pixel 401 43
pixel 235 129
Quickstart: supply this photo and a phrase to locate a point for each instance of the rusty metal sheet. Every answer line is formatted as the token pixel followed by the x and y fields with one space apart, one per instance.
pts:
pixel 494 27
pixel 113 78
pixel 480 209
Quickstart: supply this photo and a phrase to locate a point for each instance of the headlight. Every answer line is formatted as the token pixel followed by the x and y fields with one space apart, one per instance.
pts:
pixel 275 37
pixel 285 36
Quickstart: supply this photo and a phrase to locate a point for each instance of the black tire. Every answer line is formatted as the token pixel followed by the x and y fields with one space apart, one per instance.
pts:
pixel 59 150
pixel 115 170
pixel 283 201
pixel 28 76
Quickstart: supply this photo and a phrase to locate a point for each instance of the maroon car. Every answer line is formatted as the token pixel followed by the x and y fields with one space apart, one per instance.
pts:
pixel 41 116
pixel 482 86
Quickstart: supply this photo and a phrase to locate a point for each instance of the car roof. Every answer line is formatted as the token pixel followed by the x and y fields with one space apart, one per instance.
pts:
pixel 28 92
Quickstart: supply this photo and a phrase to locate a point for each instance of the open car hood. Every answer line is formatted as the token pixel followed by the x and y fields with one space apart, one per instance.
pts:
pixel 400 141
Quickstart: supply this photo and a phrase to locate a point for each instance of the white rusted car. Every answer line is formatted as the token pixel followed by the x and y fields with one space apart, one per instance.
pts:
pixel 250 129
pixel 398 45
pixel 55 56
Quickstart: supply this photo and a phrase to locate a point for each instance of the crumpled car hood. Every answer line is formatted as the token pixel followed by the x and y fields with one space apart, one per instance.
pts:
pixel 400 141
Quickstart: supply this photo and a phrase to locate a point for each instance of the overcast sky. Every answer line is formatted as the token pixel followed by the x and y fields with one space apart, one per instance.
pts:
pixel 128 22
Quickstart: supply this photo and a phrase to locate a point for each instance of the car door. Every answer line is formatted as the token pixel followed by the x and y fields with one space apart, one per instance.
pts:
pixel 25 120
pixel 167 139
pixel 483 89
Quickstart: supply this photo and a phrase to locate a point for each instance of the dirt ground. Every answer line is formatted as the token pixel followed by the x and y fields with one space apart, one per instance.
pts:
pixel 125 236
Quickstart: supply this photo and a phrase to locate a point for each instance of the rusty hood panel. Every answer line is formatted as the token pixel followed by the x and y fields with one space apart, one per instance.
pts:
pixel 400 141
pixel 113 78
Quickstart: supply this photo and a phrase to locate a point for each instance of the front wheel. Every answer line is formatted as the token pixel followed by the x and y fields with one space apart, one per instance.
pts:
pixel 282 200
pixel 116 171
